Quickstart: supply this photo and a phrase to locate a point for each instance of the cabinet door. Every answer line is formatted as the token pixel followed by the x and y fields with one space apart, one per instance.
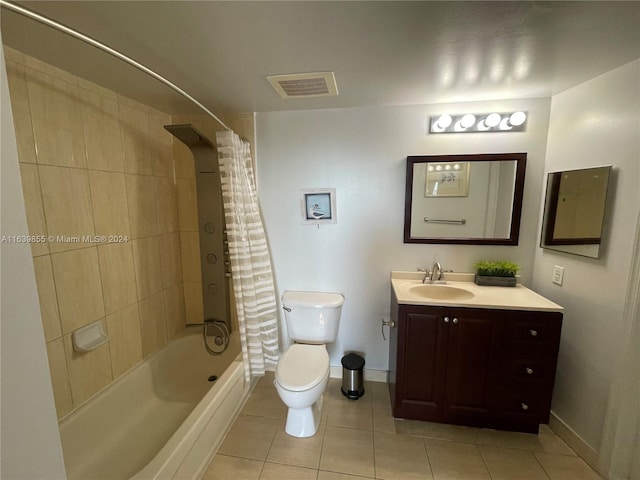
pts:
pixel 422 344
pixel 473 357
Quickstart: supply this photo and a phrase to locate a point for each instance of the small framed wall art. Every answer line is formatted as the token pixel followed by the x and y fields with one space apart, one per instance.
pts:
pixel 318 205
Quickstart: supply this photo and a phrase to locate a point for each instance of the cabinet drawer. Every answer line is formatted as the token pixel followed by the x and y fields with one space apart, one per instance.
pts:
pixel 522 369
pixel 539 331
pixel 523 403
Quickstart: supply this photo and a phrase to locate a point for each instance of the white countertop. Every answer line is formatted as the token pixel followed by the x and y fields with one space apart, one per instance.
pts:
pixel 503 298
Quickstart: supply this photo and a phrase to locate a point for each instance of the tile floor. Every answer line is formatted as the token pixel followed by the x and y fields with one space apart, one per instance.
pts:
pixel 361 439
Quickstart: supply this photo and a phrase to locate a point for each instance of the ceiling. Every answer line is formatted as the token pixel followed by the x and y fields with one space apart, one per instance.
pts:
pixel 382 53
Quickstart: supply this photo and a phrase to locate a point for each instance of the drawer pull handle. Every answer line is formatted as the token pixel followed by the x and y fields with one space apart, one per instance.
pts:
pixel 534 333
pixel 446 319
pixel 524 406
pixel 529 370
pixel 455 320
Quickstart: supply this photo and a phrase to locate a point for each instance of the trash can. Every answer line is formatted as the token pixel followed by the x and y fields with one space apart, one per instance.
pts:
pixel 352 376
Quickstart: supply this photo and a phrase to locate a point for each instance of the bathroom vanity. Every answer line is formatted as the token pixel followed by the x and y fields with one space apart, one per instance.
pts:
pixel 471 355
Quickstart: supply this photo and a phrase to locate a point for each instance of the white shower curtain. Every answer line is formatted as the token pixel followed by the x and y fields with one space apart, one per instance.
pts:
pixel 252 275
pixel 620 447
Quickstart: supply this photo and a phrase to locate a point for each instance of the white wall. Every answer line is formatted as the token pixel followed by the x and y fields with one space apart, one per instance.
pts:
pixel 594 124
pixel 30 439
pixel 362 153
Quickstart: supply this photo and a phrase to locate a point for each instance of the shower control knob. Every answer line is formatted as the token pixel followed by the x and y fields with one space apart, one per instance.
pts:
pixel 529 370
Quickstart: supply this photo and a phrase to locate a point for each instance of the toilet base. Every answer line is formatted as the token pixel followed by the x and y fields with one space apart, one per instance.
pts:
pixel 304 422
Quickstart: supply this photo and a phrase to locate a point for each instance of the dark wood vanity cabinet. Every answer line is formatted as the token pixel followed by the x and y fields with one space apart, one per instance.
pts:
pixel 471 366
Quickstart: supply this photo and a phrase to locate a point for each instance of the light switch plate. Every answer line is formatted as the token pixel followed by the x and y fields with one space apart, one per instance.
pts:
pixel 558 275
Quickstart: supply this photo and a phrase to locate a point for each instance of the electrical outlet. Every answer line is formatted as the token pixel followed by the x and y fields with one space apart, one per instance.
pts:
pixel 558 275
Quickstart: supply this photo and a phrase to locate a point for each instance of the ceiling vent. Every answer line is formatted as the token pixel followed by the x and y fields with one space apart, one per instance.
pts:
pixel 298 85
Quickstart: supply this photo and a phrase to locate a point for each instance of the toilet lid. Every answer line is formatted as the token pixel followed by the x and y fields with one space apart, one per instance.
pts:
pixel 302 367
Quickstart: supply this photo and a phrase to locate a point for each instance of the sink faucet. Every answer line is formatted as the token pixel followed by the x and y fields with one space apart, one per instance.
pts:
pixel 435 275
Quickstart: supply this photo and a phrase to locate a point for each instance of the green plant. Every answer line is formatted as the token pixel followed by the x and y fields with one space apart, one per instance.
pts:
pixel 486 268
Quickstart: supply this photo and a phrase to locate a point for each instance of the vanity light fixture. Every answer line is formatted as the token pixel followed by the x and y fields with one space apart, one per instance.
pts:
pixel 479 122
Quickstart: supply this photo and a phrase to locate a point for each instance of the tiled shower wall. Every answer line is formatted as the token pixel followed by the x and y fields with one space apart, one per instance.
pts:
pixel 94 163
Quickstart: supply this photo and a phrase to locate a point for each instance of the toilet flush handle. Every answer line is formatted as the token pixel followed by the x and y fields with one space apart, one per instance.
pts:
pixel 286 309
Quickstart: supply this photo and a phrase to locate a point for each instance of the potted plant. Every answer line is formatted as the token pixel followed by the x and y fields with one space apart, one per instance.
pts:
pixel 496 273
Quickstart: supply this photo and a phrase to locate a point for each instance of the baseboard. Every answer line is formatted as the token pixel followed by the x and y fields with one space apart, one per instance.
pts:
pixel 575 441
pixel 369 375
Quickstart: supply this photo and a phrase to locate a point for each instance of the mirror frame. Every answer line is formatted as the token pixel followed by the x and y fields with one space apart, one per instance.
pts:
pixel 516 211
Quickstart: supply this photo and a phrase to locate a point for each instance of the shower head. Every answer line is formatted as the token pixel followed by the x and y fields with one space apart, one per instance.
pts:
pixel 189 135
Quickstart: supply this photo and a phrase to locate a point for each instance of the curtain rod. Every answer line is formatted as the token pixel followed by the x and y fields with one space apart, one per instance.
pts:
pixel 91 41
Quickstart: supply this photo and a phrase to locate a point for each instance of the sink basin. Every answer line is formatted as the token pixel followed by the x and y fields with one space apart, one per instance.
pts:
pixel 442 292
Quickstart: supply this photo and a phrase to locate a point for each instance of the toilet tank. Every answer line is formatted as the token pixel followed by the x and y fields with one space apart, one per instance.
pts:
pixel 312 317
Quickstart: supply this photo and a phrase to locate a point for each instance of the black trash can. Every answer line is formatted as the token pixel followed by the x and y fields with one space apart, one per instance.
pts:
pixel 352 376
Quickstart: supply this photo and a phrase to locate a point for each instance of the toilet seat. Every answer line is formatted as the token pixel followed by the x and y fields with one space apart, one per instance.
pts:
pixel 302 367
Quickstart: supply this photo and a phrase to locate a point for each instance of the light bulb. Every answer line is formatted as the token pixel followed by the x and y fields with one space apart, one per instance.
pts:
pixel 517 118
pixel 438 167
pixel 468 120
pixel 444 121
pixel 505 125
pixel 493 120
pixel 482 126
pixel 447 167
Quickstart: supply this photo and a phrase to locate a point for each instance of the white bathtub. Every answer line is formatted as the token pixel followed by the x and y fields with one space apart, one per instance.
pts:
pixel 161 420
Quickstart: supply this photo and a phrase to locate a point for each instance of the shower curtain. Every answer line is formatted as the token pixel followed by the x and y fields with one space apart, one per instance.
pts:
pixel 620 447
pixel 251 271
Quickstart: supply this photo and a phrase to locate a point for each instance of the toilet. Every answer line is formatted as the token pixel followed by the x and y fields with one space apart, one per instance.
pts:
pixel 303 370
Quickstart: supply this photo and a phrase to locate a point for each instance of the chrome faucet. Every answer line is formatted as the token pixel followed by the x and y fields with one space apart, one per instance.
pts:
pixel 434 275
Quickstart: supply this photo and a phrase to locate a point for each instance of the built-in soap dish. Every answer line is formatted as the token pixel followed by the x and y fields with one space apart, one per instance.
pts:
pixel 89 337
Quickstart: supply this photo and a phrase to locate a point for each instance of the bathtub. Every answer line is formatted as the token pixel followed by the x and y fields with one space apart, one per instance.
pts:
pixel 163 419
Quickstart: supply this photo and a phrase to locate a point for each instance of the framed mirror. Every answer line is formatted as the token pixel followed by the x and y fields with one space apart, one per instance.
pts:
pixel 574 210
pixel 464 199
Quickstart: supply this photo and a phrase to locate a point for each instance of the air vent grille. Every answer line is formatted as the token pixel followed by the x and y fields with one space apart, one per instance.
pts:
pixel 321 84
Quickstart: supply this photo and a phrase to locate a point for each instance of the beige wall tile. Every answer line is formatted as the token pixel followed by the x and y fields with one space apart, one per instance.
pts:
pixel 67 204
pixel 102 132
pixel 190 246
pixel 95 88
pixel 59 377
pixel 152 323
pixel 13 55
pixel 125 339
pixel 21 112
pixel 55 72
pixel 161 143
pixel 170 259
pixel 78 287
pixel 34 207
pixel 109 201
pixel 142 205
pixel 193 302
pixel 183 160
pixel 89 372
pixel 134 129
pixel 56 116
pixel 175 310
pixel 118 276
pixel 146 259
pixel 166 204
pixel 47 297
pixel 187 205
